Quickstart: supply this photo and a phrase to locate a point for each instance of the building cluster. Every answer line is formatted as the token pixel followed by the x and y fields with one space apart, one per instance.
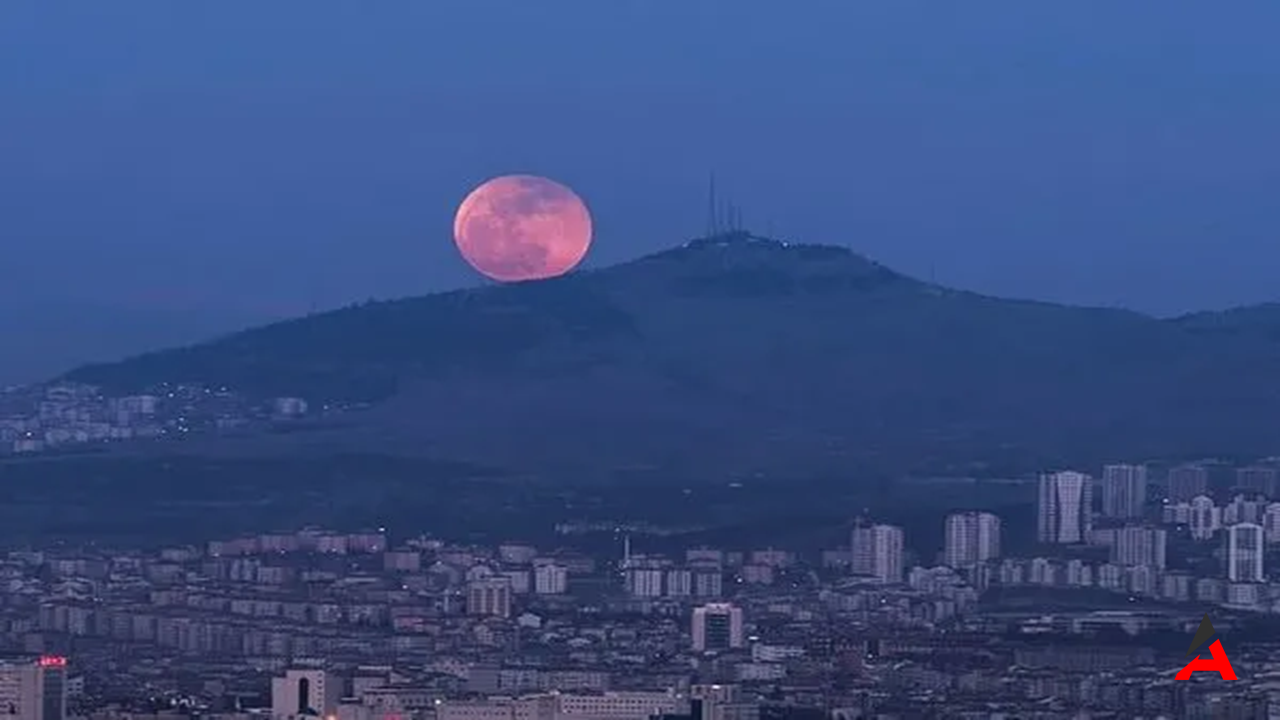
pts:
pixel 364 626
pixel 1108 533
pixel 1184 547
pixel 37 419
pixel 358 626
pixel 370 693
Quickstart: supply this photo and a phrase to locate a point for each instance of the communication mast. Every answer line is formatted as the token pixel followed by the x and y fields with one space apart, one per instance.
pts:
pixel 713 225
pixel 724 218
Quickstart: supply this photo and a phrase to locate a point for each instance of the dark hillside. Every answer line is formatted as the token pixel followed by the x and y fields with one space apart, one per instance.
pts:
pixel 742 355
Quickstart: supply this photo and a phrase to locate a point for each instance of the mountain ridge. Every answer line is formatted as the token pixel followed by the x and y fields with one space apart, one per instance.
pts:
pixel 740 354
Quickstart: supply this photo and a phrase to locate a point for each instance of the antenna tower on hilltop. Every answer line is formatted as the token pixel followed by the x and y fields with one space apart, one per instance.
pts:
pixel 713 228
pixel 723 216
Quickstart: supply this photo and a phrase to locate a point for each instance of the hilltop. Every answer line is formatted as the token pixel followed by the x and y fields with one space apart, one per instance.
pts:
pixel 741 355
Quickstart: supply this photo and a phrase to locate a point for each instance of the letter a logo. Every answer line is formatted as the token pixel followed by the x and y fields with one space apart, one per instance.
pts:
pixel 1218 663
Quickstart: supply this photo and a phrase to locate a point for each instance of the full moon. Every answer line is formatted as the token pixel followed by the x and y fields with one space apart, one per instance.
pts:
pixel 522 227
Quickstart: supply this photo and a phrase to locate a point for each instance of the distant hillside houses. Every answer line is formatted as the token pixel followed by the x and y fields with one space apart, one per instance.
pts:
pixel 60 415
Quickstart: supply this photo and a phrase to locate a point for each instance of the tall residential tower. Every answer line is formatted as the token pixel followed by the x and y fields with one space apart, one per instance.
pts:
pixel 34 689
pixel 1124 490
pixel 878 551
pixel 972 538
pixel 717 626
pixel 1065 508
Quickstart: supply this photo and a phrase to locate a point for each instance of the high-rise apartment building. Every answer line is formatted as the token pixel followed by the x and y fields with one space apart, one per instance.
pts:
pixel 489 596
pixel 708 580
pixel 1139 546
pixel 972 538
pixel 1271 523
pixel 1186 482
pixel 1206 518
pixel 679 582
pixel 878 551
pixel 1244 509
pixel 645 579
pixel 717 626
pixel 305 693
pixel 862 549
pixel 1261 479
pixel 550 579
pixel 1245 547
pixel 1065 507
pixel 1124 490
pixel 34 689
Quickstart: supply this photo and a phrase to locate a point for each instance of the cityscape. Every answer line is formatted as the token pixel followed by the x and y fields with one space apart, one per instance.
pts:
pixel 719 360
pixel 368 626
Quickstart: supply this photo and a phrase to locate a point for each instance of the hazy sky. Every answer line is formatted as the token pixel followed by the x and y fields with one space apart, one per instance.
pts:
pixel 171 169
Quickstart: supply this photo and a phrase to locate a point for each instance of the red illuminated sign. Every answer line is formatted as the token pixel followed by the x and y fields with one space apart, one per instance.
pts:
pixel 52 661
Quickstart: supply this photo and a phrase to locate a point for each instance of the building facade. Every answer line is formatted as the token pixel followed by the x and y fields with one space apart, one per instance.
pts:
pixel 1245 548
pixel 490 596
pixel 34 689
pixel 972 538
pixel 717 626
pixel 878 551
pixel 1124 490
pixel 1186 482
pixel 1064 508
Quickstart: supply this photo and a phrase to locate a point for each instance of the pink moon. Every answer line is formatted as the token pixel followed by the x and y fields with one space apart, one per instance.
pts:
pixel 522 227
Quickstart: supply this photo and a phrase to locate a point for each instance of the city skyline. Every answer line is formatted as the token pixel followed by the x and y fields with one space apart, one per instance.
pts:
pixel 498 360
